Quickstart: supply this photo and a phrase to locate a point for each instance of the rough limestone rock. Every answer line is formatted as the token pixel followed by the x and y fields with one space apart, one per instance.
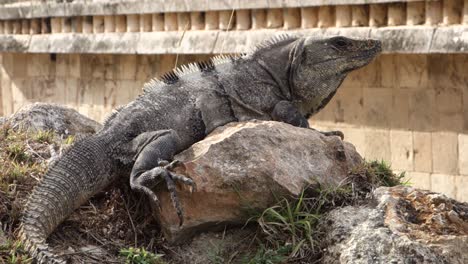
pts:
pixel 244 166
pixel 62 120
pixel 405 225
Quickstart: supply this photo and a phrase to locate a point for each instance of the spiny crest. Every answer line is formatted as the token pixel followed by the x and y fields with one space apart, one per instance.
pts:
pixel 174 75
pixel 272 42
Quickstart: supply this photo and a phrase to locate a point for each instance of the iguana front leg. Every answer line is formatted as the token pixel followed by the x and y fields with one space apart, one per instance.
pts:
pixel 153 151
pixel 285 111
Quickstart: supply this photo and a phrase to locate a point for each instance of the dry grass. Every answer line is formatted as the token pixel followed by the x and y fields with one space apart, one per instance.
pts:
pixel 115 219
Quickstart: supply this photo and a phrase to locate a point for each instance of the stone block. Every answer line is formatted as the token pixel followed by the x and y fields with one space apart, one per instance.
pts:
pixel 356 136
pixel 360 15
pixel 157 22
pixel 422 151
pixel 349 106
pixel 447 71
pixel 211 20
pixel 126 67
pixel 87 27
pixel 39 65
pixel 170 21
pixel 463 153
pixel 377 15
pixel 326 16
pixel 377 109
pixel 274 18
pixel 396 14
pixel 183 21
pixel 227 19
pixel 415 13
pixel 401 143
pixel 433 12
pixel 461 183
pixel 465 13
pixel 368 76
pixel 121 23
pixel 25 26
pixel 400 106
pixel 423 113
pixel 292 18
pixel 197 20
pixel 75 65
pixel 443 183
pixel 56 24
pixel 109 24
pixel 309 17
pixel 445 152
pixel 465 110
pixel 389 76
pixel 377 145
pixel 133 23
pixel 8 27
pixel 412 70
pixel 16 26
pixel 7 98
pixel 110 90
pixel 77 24
pixel 452 11
pixel 71 98
pixel 145 23
pixel 45 25
pixel 61 65
pixel 420 180
pixel 343 16
pixel 243 19
pixel 35 26
pixel 66 25
pixel 449 101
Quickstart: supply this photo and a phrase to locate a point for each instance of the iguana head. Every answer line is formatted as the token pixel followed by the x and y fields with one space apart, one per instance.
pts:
pixel 318 66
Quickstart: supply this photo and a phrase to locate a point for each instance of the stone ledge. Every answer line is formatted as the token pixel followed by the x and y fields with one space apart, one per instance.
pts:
pixel 416 39
pixel 85 8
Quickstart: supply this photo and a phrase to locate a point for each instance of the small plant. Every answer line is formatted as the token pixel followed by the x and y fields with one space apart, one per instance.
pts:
pixel 16 151
pixel 269 256
pixel 69 140
pixel 13 253
pixel 44 136
pixel 370 175
pixel 140 256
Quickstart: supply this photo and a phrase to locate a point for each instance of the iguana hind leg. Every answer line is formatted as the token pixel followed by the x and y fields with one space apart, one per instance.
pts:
pixel 153 150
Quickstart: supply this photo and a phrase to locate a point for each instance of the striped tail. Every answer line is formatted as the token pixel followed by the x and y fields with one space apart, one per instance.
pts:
pixel 80 173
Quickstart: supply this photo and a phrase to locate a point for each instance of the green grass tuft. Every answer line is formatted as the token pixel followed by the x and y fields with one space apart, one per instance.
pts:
pixel 289 228
pixel 140 256
pixel 44 136
pixel 13 253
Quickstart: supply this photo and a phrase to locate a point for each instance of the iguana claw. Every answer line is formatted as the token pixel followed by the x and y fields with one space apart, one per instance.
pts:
pixel 171 178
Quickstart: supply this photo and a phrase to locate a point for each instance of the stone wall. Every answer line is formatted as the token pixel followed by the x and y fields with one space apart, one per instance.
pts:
pixel 410 110
pixel 407 109
pixel 93 84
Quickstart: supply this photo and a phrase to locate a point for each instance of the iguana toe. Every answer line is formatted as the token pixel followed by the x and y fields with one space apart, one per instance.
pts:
pixel 334 133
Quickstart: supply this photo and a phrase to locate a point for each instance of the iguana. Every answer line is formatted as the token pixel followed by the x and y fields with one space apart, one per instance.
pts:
pixel 285 79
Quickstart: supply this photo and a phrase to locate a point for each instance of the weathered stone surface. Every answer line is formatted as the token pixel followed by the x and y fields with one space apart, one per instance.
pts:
pixel 408 39
pixel 407 225
pixel 80 8
pixel 62 120
pixel 247 165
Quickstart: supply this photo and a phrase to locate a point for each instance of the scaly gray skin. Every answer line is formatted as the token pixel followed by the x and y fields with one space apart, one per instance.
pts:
pixel 286 79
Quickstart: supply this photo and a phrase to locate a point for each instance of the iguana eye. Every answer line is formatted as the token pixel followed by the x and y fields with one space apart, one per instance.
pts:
pixel 341 43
